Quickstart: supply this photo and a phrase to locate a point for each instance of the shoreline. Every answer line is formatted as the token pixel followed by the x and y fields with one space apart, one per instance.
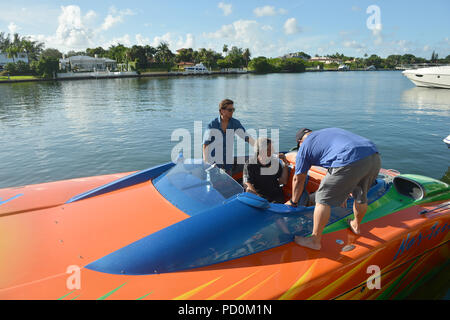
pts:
pixel 165 74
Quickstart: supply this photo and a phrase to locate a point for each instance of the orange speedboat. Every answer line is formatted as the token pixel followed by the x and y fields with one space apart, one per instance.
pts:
pixel 187 230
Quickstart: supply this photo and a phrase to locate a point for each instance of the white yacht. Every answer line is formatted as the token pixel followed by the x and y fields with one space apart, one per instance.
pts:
pixel 343 67
pixel 447 141
pixel 433 77
pixel 197 69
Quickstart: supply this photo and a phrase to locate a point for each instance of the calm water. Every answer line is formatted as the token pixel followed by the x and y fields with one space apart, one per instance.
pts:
pixel 54 131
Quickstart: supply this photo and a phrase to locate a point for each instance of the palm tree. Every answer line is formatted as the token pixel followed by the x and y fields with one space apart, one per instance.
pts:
pixel 434 57
pixel 5 42
pixel 32 48
pixel 225 49
pixel 163 53
pixel 12 52
pixel 246 55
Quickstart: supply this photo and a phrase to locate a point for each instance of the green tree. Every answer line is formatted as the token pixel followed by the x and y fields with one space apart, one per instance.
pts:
pixel 46 67
pixel 12 52
pixel 73 53
pixel 149 53
pixel 260 65
pixel 246 56
pixel 303 54
pixel 223 64
pixel 33 49
pixel 11 68
pixel 5 42
pixel 393 61
pixel 51 53
pixel 225 49
pixel 118 53
pixel 138 55
pixel 408 59
pixel 374 60
pixel 163 53
pixel 99 51
pixel 235 57
pixel 185 55
pixel 434 57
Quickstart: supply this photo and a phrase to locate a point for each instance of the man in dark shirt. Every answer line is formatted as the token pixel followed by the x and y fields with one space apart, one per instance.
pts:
pixel 263 174
pixel 216 151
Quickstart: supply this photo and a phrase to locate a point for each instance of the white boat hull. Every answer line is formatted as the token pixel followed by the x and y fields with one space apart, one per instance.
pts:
pixel 434 77
pixel 447 141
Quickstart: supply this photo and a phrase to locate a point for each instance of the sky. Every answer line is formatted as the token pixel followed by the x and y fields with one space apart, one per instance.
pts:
pixel 267 28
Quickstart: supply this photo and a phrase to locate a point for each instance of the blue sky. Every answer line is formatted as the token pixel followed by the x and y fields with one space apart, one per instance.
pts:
pixel 268 28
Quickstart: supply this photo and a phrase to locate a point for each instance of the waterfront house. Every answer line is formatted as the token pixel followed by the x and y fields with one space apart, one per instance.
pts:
pixel 4 60
pixel 183 65
pixel 326 60
pixel 86 64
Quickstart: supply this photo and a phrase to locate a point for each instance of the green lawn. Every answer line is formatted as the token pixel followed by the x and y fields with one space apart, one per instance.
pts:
pixel 5 78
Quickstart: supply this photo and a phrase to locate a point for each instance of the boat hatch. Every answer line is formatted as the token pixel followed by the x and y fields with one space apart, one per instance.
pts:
pixel 408 188
pixel 418 187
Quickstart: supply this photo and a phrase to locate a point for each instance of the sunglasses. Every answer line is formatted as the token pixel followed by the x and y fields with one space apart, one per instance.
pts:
pixel 229 109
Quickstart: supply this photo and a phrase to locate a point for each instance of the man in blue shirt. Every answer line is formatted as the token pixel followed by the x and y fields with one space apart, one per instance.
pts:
pixel 353 164
pixel 220 137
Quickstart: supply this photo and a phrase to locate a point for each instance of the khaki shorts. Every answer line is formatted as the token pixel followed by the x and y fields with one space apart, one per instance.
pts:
pixel 355 178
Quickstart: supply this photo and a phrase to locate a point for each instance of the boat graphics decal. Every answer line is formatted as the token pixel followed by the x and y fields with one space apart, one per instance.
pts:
pixel 409 242
pixel 12 198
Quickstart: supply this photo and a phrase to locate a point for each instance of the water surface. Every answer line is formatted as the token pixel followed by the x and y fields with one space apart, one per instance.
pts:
pixel 59 130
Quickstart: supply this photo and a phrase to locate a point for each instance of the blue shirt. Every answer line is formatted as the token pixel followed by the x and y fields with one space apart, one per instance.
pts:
pixel 233 124
pixel 332 148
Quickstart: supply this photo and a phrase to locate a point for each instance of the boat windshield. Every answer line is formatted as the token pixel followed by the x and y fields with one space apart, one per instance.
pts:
pixel 196 186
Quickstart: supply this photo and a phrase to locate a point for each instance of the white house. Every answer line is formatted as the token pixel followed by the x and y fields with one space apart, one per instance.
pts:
pixel 21 56
pixel 87 64
pixel 325 60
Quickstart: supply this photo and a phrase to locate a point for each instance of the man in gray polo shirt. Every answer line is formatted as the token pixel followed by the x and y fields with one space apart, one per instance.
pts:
pixel 353 164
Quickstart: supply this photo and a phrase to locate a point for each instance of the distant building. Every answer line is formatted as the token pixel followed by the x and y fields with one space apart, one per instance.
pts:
pixel 21 56
pixel 185 64
pixel 326 60
pixel 86 64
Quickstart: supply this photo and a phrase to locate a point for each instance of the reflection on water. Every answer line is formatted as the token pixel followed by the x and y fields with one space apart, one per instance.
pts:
pixel 428 100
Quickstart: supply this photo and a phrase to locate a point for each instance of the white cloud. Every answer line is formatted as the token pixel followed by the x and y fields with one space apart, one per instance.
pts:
pixel 71 32
pixel 267 28
pixel 268 11
pixel 114 17
pixel 124 40
pixel 188 43
pixel 91 15
pixel 174 41
pixel 354 45
pixel 110 21
pixel 226 8
pixel 265 11
pixel 243 34
pixel 13 28
pixel 291 26
pixel 241 30
pixel 141 40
